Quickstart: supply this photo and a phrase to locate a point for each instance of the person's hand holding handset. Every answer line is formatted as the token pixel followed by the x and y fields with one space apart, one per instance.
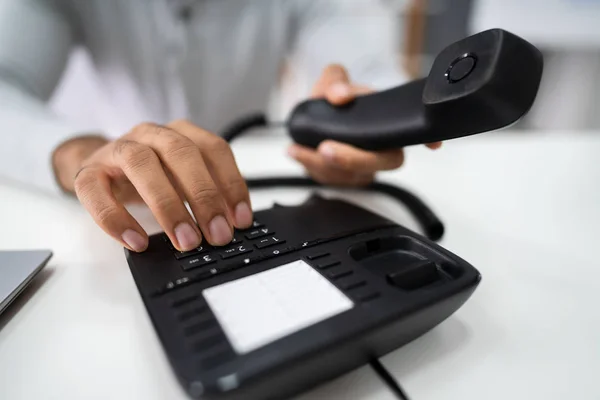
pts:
pixel 161 166
pixel 337 163
pixel 166 166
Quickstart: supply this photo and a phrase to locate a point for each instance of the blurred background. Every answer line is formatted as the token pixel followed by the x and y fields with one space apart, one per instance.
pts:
pixel 567 31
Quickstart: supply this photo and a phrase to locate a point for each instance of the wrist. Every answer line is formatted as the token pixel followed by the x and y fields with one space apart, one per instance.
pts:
pixel 68 158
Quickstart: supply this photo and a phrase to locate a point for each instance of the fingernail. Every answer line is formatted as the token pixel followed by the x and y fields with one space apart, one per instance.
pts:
pixel 186 236
pixel 341 89
pixel 328 152
pixel 134 240
pixel 219 231
pixel 243 215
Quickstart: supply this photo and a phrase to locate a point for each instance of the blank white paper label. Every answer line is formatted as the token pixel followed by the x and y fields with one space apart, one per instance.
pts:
pixel 258 309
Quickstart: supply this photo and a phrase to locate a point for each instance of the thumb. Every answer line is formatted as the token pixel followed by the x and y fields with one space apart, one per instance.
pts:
pixel 334 85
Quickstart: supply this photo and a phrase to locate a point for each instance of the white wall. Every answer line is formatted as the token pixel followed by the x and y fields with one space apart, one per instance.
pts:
pixel 79 97
pixel 568 31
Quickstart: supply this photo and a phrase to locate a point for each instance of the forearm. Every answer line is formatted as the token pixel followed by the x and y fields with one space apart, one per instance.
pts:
pixel 29 135
pixel 35 42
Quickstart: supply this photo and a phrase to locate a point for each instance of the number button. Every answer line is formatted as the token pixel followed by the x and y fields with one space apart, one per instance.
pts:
pixel 270 241
pixel 278 251
pixel 257 233
pixel 198 262
pixel 235 251
pixel 183 254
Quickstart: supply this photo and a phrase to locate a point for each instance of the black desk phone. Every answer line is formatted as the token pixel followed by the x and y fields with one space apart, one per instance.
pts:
pixel 312 291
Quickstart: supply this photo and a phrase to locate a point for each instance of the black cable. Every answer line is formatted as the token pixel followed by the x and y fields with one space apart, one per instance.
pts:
pixel 388 379
pixel 244 124
pixel 426 218
pixel 429 222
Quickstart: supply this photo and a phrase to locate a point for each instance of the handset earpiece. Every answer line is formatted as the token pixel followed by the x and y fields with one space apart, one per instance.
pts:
pixel 481 83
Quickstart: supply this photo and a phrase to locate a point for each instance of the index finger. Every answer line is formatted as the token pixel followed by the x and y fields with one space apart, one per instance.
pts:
pixel 220 161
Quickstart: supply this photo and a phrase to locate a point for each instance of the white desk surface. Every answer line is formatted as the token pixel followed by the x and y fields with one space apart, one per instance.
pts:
pixel 524 209
pixel 526 213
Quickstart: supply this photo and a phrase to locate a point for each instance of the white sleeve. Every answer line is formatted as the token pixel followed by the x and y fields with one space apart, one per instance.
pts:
pixel 362 35
pixel 35 41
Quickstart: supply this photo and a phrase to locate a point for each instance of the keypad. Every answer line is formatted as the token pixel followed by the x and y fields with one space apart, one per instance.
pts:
pixel 257 243
pixel 244 243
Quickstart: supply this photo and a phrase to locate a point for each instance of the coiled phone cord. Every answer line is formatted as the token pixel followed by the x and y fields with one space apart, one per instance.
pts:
pixel 430 224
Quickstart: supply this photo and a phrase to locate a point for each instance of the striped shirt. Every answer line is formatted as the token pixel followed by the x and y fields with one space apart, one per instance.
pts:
pixel 205 60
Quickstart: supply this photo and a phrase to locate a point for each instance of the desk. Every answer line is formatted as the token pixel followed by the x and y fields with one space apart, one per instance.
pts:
pixel 515 206
pixel 81 331
pixel 526 213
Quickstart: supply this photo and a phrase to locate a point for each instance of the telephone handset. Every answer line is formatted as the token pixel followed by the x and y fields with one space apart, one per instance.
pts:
pixel 481 83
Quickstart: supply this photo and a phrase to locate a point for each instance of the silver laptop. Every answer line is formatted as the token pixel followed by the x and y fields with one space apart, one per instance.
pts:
pixel 17 270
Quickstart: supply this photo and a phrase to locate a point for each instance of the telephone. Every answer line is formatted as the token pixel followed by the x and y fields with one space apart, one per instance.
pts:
pixel 312 291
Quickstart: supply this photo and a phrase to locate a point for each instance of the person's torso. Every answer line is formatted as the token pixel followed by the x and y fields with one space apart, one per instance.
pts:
pixel 206 60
